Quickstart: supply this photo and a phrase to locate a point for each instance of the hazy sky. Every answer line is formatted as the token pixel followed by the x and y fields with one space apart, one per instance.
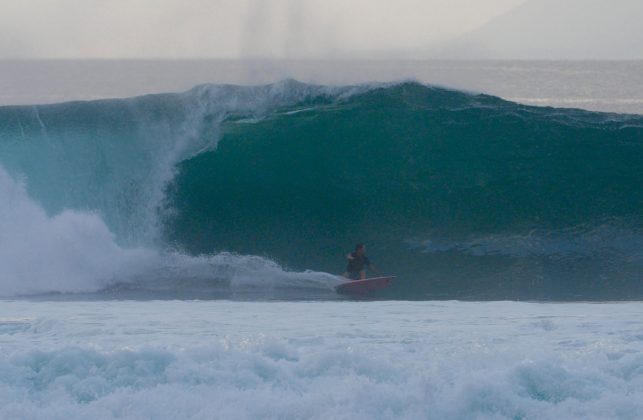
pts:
pixel 236 28
pixel 559 30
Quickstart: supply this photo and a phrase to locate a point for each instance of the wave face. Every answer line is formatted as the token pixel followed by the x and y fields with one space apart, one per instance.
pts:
pixel 462 196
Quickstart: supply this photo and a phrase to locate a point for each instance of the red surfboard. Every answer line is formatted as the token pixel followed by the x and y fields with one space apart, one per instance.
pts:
pixel 357 287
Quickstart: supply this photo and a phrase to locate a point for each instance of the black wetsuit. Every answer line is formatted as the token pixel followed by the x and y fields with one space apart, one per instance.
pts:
pixel 356 265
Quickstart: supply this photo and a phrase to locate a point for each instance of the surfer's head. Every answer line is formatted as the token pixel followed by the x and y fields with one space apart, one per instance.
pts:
pixel 360 249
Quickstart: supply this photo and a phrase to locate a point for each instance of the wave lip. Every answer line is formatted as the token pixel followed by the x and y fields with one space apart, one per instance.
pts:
pixel 116 157
pixel 85 215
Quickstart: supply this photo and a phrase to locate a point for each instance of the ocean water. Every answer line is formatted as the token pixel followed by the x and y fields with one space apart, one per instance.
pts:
pixel 461 195
pixel 173 255
pixel 319 360
pixel 609 86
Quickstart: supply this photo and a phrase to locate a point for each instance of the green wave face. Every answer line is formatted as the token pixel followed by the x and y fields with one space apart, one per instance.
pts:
pixel 460 195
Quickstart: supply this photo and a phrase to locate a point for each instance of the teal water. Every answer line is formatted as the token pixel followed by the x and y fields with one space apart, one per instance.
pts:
pixel 427 177
pixel 461 195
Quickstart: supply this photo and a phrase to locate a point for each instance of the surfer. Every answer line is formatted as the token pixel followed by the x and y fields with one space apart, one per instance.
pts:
pixel 357 263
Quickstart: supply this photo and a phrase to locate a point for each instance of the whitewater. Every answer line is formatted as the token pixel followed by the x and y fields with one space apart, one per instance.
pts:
pixel 319 360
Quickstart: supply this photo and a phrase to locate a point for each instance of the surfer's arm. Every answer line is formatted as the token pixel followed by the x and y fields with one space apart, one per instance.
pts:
pixel 350 257
pixel 374 269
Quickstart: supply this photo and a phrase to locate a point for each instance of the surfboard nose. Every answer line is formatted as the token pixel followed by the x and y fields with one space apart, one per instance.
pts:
pixel 364 286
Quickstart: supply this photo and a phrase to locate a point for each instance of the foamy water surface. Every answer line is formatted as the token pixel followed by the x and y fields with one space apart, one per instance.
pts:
pixel 370 360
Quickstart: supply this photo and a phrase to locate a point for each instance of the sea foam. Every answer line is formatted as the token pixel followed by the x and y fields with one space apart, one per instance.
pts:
pixel 381 360
pixel 75 252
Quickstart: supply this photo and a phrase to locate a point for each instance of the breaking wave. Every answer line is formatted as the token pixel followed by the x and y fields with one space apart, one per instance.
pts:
pixel 461 195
